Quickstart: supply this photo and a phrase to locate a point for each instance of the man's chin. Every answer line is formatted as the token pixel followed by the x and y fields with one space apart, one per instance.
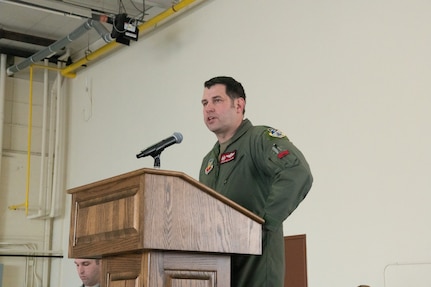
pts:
pixel 213 128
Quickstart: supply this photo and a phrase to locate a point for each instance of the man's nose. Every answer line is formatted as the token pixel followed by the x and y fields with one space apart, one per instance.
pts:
pixel 209 107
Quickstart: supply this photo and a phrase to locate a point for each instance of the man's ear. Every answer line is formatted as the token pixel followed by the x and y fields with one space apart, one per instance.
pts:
pixel 240 104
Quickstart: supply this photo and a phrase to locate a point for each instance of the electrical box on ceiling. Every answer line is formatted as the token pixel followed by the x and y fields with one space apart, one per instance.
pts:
pixel 124 29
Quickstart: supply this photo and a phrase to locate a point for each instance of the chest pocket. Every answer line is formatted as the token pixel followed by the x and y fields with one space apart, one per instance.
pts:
pixel 228 164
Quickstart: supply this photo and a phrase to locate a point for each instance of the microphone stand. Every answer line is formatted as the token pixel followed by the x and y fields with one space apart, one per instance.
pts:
pixel 157 160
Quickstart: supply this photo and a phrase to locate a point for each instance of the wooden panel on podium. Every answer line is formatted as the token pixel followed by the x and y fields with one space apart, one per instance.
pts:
pixel 155 227
pixel 166 269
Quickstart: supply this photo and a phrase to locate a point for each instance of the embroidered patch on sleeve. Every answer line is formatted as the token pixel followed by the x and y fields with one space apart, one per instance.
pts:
pixel 283 153
pixel 280 153
pixel 275 133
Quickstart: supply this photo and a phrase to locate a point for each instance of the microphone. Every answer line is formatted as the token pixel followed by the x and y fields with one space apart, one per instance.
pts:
pixel 157 148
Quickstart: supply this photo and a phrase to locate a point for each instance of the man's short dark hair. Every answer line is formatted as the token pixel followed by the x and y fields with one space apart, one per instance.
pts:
pixel 234 88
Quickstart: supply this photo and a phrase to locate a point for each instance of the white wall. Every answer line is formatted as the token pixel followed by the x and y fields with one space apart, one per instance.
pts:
pixel 348 81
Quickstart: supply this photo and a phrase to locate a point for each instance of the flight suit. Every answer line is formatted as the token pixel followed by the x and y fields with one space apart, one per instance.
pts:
pixel 264 172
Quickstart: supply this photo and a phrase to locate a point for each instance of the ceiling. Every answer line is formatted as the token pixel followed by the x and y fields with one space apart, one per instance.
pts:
pixel 28 27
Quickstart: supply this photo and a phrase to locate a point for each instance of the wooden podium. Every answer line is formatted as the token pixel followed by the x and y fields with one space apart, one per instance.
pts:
pixel 158 228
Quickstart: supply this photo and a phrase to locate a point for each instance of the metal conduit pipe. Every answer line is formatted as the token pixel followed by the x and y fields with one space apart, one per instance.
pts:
pixel 2 101
pixel 43 193
pixel 54 48
pixel 58 144
pixel 103 32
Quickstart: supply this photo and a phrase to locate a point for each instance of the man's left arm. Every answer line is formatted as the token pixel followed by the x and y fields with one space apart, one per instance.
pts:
pixel 291 180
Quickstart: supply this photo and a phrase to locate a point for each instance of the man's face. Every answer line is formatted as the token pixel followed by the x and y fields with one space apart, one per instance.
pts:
pixel 88 271
pixel 222 115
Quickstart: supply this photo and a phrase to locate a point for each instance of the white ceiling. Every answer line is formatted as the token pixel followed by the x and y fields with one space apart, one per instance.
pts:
pixel 30 26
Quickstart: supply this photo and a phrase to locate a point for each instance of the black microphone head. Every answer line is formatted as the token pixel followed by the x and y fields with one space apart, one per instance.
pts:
pixel 178 137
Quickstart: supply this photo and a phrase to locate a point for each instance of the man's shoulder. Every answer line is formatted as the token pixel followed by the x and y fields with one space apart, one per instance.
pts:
pixel 266 133
pixel 260 130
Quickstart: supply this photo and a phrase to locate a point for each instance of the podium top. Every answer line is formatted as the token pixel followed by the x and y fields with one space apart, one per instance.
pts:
pixel 177 174
pixel 153 209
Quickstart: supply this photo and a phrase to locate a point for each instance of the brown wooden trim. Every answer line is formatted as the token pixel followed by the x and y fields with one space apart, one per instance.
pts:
pixel 296 261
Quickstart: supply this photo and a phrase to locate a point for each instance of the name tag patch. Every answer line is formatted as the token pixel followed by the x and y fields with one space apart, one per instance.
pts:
pixel 227 157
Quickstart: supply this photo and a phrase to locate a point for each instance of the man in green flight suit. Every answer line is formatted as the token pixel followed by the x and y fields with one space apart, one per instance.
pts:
pixel 257 167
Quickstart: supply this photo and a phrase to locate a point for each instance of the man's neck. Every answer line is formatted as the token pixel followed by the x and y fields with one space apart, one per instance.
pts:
pixel 225 137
